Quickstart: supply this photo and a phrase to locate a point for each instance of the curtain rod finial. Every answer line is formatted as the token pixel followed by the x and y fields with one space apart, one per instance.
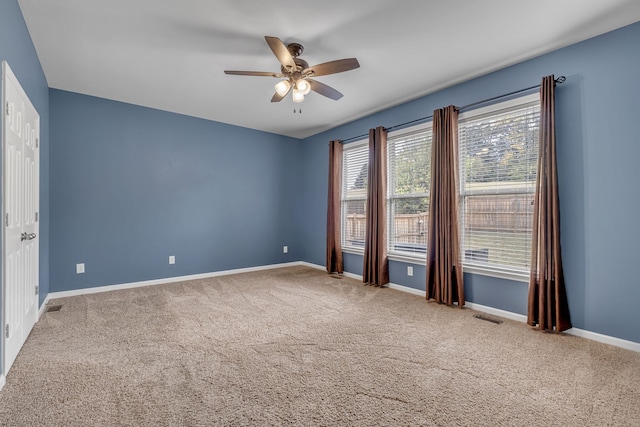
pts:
pixel 561 79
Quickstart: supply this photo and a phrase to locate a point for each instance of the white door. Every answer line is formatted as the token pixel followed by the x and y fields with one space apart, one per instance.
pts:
pixel 21 189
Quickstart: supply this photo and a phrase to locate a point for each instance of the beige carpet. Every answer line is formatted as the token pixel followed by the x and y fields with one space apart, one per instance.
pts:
pixel 294 346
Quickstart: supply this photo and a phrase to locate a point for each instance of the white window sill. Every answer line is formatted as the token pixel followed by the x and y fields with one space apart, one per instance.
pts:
pixel 354 251
pixel 418 259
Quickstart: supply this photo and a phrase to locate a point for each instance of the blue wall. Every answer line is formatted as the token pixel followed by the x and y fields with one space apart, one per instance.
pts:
pixel 598 150
pixel 131 186
pixel 17 49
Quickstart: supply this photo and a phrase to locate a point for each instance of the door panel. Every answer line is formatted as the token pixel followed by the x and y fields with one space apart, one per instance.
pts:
pixel 21 204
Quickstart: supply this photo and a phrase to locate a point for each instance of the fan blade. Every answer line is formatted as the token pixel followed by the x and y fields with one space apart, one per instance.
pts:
pixel 278 98
pixel 253 73
pixel 331 67
pixel 325 90
pixel 281 52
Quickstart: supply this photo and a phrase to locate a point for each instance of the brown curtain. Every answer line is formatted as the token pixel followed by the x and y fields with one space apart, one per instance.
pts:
pixel 334 246
pixel 444 266
pixel 548 306
pixel 376 265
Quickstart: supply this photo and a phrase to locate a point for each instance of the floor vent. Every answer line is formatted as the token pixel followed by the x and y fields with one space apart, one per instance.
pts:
pixel 55 307
pixel 488 318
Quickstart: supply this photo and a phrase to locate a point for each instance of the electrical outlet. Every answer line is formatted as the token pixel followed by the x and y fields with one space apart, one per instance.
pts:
pixel 285 249
pixel 409 271
pixel 172 259
pixel 80 268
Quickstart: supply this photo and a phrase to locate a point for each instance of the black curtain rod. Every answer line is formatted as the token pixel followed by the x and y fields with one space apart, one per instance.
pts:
pixel 559 80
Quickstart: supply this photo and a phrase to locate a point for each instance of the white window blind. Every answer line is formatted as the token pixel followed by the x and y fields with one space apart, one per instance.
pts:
pixel 498 152
pixel 355 164
pixel 409 175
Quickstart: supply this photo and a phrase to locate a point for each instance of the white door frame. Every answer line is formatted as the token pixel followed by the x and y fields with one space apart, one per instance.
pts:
pixel 23 219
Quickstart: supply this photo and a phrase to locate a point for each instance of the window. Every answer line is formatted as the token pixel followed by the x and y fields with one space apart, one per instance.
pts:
pixel 355 169
pixel 409 175
pixel 498 153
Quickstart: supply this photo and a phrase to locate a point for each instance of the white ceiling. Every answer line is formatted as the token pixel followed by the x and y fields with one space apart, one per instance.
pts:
pixel 170 54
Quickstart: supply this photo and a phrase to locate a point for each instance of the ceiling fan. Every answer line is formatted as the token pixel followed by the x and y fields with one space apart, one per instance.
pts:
pixel 297 73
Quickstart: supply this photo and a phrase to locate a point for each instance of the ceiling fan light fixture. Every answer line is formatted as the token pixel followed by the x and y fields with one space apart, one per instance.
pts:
pixel 297 95
pixel 283 87
pixel 297 74
pixel 303 86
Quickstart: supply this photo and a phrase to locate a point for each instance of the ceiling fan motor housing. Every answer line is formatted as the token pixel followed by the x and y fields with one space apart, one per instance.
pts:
pixel 295 49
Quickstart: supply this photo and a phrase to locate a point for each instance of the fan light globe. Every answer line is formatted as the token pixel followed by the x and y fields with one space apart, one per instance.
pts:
pixel 303 86
pixel 297 95
pixel 283 87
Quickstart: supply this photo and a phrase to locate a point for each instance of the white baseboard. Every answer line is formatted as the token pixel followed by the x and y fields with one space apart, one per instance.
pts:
pixel 606 339
pixel 316 266
pixel 43 307
pixel 3 381
pixel 107 288
pixel 352 276
pixel 408 290
pixel 594 336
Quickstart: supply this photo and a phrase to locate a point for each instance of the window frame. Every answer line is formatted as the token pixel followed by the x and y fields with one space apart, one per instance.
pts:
pixel 476 268
pixel 355 145
pixel 392 252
